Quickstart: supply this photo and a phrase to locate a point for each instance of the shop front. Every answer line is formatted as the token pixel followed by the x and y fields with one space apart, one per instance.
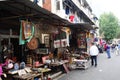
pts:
pixel 28 34
pixel 36 38
pixel 80 40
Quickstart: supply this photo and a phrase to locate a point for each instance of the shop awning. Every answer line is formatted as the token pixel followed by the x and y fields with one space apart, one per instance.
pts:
pixel 82 26
pixel 12 11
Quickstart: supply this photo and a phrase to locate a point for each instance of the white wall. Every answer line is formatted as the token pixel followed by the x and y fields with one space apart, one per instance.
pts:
pixel 60 12
pixel 85 10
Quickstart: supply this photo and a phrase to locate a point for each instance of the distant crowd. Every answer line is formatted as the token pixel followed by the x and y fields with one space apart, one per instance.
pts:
pixel 114 48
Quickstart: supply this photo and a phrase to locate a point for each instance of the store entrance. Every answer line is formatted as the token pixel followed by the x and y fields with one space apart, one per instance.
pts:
pixel 17 52
pixel 10 48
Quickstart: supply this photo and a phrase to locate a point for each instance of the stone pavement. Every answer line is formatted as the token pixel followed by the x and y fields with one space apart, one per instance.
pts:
pixel 107 69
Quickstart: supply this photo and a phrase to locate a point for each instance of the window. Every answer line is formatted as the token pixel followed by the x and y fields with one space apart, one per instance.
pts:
pixel 57 5
pixel 82 2
pixel 79 1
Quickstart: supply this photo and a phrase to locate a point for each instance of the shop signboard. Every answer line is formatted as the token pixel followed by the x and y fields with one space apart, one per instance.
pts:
pixel 60 43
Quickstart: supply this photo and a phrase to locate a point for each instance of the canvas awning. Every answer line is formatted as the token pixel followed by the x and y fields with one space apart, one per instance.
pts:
pixel 11 12
pixel 82 26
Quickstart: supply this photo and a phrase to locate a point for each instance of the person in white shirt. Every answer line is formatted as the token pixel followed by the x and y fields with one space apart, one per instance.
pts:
pixel 93 53
pixel 117 50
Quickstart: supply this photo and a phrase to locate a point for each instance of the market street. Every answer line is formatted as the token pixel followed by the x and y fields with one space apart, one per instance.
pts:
pixel 107 69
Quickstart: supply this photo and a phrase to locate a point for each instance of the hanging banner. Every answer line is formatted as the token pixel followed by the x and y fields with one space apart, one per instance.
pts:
pixel 27 27
pixel 26 32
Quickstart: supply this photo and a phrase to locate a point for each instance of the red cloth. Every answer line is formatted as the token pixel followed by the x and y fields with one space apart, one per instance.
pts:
pixel 105 46
pixel 71 18
pixel 101 42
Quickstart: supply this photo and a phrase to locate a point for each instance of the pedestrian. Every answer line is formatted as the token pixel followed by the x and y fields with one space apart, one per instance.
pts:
pixel 113 48
pixel 116 50
pixel 119 48
pixel 105 45
pixel 99 48
pixel 94 53
pixel 108 50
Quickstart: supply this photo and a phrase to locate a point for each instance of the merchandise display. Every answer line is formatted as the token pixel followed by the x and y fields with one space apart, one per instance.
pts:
pixel 33 44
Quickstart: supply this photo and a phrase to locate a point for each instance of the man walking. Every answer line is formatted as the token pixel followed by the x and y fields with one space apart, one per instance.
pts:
pixel 108 50
pixel 93 53
pixel 119 48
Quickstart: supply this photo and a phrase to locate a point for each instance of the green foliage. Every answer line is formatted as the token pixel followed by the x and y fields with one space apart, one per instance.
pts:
pixel 118 33
pixel 108 25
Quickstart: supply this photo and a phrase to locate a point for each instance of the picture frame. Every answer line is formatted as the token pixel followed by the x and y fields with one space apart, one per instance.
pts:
pixel 46 41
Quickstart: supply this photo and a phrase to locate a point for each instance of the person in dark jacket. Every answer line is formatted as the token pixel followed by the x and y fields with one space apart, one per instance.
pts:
pixel 108 50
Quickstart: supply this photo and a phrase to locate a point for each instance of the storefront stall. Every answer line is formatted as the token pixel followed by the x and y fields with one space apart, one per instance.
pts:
pixel 79 44
pixel 33 38
pixel 41 40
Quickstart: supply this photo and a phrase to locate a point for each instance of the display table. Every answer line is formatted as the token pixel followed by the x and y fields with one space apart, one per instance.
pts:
pixel 84 64
pixel 28 76
pixel 58 63
pixel 28 73
pixel 60 66
pixel 12 71
pixel 45 71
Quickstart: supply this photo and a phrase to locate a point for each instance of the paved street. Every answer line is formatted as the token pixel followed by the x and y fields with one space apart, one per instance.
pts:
pixel 107 69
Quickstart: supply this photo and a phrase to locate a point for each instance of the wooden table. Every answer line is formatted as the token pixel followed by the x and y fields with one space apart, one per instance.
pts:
pixel 28 76
pixel 59 64
pixel 44 71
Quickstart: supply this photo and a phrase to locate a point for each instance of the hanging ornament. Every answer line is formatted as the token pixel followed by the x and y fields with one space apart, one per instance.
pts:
pixel 33 44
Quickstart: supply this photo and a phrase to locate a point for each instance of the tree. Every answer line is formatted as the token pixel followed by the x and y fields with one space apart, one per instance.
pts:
pixel 109 25
pixel 118 32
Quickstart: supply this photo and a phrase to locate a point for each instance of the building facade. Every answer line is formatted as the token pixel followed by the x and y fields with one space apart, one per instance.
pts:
pixel 77 12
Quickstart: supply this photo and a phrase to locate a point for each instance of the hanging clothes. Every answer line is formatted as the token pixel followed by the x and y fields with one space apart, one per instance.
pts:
pixel 71 18
pixel 67 10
